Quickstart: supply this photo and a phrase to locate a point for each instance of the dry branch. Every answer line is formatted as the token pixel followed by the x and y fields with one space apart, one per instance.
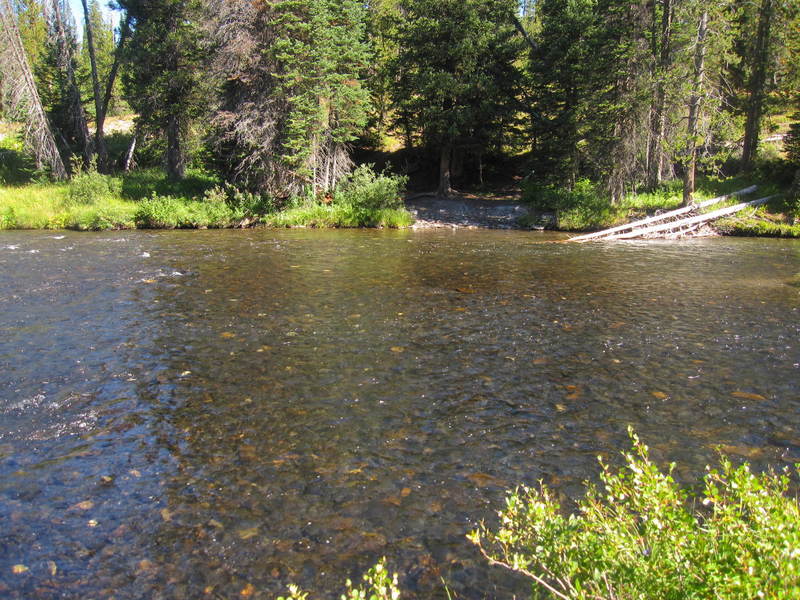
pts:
pixel 633 225
pixel 19 89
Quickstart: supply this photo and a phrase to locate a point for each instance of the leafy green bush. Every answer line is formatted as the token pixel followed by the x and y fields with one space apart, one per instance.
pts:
pixel 88 187
pixel 583 207
pixel 242 204
pixel 365 190
pixel 643 537
pixel 378 586
pixel 363 199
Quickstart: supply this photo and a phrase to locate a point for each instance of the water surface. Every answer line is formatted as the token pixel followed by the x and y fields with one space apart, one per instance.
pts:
pixel 202 414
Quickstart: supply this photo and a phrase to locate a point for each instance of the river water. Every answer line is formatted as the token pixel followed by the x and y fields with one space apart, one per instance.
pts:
pixel 217 414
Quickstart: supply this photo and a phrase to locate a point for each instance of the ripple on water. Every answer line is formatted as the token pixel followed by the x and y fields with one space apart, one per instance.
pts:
pixel 253 408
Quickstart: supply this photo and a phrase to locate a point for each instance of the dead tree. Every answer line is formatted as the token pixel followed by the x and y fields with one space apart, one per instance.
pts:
pixel 22 97
pixel 65 61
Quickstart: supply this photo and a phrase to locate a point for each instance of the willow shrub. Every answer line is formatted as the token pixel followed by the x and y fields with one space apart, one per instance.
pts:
pixel 643 537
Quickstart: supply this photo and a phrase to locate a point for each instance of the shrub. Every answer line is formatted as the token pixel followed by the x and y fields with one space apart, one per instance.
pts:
pixel 583 207
pixel 364 189
pixel 242 204
pixel 8 218
pixel 161 212
pixel 642 537
pixel 378 586
pixel 88 187
pixel 363 199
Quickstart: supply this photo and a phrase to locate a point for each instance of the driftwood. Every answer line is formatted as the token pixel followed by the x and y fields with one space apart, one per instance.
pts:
pixel 669 221
pixel 696 221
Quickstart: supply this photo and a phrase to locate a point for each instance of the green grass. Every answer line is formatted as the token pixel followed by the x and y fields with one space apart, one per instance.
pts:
pixel 147 199
pixel 321 215
pixel 587 207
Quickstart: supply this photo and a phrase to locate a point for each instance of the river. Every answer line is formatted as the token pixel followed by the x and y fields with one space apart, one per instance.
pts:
pixel 219 413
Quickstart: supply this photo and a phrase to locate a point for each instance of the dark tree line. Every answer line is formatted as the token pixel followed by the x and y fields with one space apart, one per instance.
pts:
pixel 628 94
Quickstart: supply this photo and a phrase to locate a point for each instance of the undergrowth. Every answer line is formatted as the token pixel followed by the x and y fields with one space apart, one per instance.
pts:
pixel 587 206
pixel 364 199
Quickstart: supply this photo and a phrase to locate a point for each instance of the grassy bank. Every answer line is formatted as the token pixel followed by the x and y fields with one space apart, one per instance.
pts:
pixel 587 208
pixel 146 199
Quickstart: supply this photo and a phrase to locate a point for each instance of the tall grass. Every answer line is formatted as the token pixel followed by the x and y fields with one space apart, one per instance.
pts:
pixel 146 198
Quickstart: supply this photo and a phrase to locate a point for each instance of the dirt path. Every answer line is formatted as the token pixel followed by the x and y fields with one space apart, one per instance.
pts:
pixel 467 211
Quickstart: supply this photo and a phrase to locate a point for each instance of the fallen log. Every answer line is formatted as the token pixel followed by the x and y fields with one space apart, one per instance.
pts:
pixel 666 228
pixel 607 233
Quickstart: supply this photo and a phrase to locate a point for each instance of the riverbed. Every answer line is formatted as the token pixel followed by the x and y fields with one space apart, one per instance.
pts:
pixel 219 413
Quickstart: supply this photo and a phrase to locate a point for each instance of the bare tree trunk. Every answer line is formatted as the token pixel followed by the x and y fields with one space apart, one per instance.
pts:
pixel 77 116
pixel 694 108
pixel 655 155
pixel 100 143
pixel 445 160
pixel 176 162
pixel 20 91
pixel 125 31
pixel 128 165
pixel 756 85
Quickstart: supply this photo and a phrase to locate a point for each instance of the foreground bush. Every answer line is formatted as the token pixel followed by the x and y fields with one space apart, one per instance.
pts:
pixel 378 585
pixel 643 537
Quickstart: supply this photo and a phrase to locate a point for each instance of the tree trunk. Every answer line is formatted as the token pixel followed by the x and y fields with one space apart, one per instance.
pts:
pixel 128 164
pixel 23 96
pixel 444 170
pixel 694 109
pixel 125 31
pixel 176 162
pixel 77 116
pixel 655 157
pixel 794 191
pixel 756 86
pixel 99 140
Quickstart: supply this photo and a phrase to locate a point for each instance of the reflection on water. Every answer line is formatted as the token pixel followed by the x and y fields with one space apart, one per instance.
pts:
pixel 201 414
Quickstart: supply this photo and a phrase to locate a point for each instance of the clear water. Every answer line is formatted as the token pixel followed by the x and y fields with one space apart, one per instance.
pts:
pixel 201 414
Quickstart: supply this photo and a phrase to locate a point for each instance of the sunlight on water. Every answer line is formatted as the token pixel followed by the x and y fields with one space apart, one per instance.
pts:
pixel 188 414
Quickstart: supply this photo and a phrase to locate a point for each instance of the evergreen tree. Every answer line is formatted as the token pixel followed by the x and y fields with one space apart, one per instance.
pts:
pixel 58 84
pixel 456 77
pixel 591 92
pixel 166 80
pixel 765 37
pixel 293 98
pixel 32 29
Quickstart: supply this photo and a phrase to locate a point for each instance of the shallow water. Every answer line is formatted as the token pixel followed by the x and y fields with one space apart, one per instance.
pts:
pixel 206 414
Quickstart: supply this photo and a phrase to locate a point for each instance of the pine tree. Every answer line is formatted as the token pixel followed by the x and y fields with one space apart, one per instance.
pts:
pixel 764 42
pixel 456 77
pixel 294 97
pixel 58 84
pixel 166 80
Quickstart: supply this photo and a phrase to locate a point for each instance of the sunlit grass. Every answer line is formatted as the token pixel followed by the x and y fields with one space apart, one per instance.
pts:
pixel 339 215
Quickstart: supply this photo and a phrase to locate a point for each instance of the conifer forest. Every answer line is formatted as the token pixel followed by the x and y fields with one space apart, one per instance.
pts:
pixel 283 98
